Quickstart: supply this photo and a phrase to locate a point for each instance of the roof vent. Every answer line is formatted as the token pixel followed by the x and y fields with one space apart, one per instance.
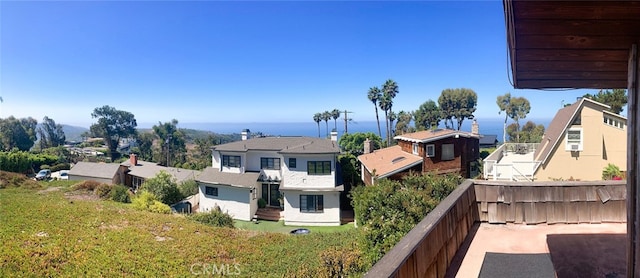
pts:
pixel 398 159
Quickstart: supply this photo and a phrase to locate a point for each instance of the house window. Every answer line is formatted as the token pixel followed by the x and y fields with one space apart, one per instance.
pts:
pixel 415 148
pixel 292 163
pixel 231 161
pixel 270 163
pixel 319 167
pixel 447 152
pixel 211 191
pixel 311 203
pixel 431 150
pixel 574 139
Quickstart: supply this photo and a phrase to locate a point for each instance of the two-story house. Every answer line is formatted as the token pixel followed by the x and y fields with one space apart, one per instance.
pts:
pixel 441 151
pixel 296 174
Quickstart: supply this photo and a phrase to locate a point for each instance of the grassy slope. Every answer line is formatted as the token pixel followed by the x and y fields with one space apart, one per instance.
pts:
pixel 45 234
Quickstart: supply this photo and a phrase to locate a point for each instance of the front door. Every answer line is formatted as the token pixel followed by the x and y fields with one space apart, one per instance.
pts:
pixel 271 193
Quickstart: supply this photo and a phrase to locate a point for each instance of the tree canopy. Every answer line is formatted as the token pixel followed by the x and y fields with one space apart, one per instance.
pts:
pixel 353 143
pixel 530 133
pixel 428 115
pixel 404 123
pixel 458 104
pixel 18 133
pixel 616 99
pixel 112 125
pixel 51 134
pixel 515 108
pixel 172 143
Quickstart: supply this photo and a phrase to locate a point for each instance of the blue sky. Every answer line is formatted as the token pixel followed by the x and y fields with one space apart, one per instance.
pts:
pixel 239 62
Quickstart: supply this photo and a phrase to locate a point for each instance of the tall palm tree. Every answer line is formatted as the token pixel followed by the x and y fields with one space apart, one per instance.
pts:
pixel 374 95
pixel 385 103
pixel 390 88
pixel 326 116
pixel 317 117
pixel 335 114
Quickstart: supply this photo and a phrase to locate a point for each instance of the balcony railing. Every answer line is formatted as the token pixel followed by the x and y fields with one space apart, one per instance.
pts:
pixel 428 249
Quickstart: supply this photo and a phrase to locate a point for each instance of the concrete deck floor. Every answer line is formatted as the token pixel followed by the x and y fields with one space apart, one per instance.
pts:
pixel 527 239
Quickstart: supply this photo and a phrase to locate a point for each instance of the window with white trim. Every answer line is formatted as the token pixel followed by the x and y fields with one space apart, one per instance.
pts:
pixel 415 148
pixel 431 150
pixel 574 141
pixel 447 152
pixel 270 163
pixel 231 161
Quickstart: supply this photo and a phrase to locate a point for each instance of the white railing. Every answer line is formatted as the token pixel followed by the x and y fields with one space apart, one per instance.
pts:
pixel 515 171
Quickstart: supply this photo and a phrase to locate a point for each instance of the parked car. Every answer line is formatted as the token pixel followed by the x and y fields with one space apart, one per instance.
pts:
pixel 44 174
pixel 64 174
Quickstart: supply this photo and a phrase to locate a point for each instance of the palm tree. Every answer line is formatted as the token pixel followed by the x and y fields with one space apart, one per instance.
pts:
pixel 390 88
pixel 317 117
pixel 374 96
pixel 335 114
pixel 385 103
pixel 326 116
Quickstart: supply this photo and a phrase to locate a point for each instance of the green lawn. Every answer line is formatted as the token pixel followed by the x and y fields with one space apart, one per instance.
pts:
pixel 44 233
pixel 279 227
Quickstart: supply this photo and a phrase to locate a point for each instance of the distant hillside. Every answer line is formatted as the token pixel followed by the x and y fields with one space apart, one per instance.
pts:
pixel 73 133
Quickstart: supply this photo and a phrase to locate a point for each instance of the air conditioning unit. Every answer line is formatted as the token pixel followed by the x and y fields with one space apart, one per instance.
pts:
pixel 575 147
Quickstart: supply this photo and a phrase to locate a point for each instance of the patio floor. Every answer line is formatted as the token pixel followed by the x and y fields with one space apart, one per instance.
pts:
pixel 577 250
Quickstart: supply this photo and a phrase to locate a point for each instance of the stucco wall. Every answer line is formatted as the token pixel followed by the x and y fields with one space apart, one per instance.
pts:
pixel 329 217
pixel 298 177
pixel 602 144
pixel 238 202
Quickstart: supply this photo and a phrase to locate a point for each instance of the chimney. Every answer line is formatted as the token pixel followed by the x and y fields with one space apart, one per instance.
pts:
pixel 246 134
pixel 475 129
pixel 334 135
pixel 133 159
pixel 368 146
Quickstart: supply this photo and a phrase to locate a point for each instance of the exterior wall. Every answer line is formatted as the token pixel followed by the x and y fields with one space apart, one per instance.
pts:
pixel 238 202
pixel 298 177
pixel 602 144
pixel 329 217
pixel 466 150
pixel 366 176
pixel 85 178
pixel 217 162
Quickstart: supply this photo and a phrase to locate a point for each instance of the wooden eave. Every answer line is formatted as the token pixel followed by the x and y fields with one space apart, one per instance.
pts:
pixel 570 44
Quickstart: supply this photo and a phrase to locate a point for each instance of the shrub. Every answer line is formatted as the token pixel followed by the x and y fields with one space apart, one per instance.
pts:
pixel 164 187
pixel 45 166
pixel 215 218
pixel 262 203
pixel 103 190
pixel 8 179
pixel 60 166
pixel 120 193
pixel 188 188
pixel 86 185
pixel 610 172
pixel 341 262
pixel 148 202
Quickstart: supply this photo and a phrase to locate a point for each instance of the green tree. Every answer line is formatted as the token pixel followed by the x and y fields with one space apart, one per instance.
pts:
pixel 427 116
pixel 374 96
pixel 531 133
pixel 353 143
pixel 504 103
pixel 202 151
pixel 404 123
pixel 335 114
pixel 18 133
pixel 458 104
pixel 326 116
pixel 113 125
pixel 317 117
pixel 144 150
pixel 173 145
pixel 389 90
pixel 51 134
pixel 616 99
pixel 164 187
pixel 515 108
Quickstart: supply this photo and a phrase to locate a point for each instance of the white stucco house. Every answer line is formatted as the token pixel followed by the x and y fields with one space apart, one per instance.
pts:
pixel 299 171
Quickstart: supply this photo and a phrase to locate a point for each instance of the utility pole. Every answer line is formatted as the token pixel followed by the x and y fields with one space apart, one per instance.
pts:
pixel 168 149
pixel 346 120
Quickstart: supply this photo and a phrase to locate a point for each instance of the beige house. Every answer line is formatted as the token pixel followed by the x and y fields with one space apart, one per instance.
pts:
pixel 581 140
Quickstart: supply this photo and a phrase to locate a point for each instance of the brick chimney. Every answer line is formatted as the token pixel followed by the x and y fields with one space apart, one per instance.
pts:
pixel 475 129
pixel 133 159
pixel 246 134
pixel 368 146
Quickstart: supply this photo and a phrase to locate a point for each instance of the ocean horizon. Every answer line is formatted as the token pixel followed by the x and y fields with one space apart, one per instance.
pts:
pixel 486 127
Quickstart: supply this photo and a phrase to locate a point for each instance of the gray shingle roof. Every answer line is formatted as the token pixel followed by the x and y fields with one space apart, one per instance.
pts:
pixel 147 170
pixel 309 145
pixel 95 170
pixel 214 176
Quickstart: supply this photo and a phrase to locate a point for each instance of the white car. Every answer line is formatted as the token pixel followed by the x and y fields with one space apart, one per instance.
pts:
pixel 64 174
